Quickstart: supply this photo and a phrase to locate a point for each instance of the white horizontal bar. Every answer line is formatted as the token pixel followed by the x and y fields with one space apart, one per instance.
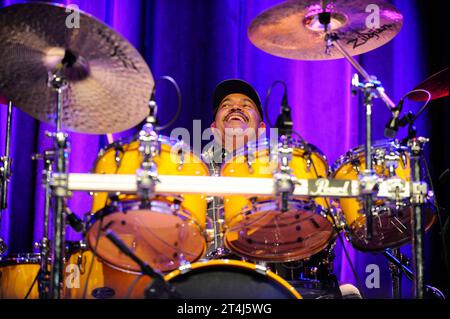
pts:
pixel 222 186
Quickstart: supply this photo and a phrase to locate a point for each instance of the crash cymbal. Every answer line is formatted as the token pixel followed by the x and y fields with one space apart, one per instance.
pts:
pixel 436 85
pixel 292 29
pixel 108 82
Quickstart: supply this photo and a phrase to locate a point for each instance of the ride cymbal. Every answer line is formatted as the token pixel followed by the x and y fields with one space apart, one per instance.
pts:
pixel 293 29
pixel 108 82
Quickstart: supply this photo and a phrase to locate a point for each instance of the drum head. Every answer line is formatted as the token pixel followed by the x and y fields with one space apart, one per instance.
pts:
pixel 158 237
pixel 226 279
pixel 271 235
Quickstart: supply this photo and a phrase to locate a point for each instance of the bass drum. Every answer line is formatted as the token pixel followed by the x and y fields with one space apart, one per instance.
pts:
pixel 229 279
pixel 18 276
pixel 163 232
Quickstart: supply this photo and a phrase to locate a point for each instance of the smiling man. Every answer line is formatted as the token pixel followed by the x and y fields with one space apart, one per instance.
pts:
pixel 238 116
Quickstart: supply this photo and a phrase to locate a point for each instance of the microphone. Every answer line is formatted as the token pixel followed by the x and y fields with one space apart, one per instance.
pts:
pixel 391 128
pixel 74 221
pixel 284 120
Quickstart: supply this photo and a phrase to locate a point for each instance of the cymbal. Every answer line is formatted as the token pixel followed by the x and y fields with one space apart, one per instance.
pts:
pixel 292 29
pixel 436 85
pixel 108 82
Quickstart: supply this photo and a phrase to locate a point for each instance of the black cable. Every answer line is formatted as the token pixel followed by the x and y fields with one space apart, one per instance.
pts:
pixel 131 287
pixel 266 101
pixel 32 285
pixel 177 88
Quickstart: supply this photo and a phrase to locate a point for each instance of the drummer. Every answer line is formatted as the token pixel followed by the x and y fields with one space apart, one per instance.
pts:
pixel 238 120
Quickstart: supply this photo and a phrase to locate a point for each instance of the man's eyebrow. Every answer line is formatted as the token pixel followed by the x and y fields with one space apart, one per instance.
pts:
pixel 244 99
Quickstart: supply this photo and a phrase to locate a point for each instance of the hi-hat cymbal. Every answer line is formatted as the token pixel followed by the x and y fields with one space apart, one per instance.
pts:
pixel 108 85
pixel 436 85
pixel 292 29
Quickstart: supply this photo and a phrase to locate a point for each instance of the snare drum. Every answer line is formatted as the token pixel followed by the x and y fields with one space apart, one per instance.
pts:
pixel 229 279
pixel 391 221
pixel 168 230
pixel 18 276
pixel 255 227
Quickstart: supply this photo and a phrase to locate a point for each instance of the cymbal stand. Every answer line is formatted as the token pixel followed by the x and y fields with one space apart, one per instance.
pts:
pixel 149 147
pixel 372 89
pixel 44 245
pixel 5 172
pixel 415 144
pixel 59 185
pixel 396 275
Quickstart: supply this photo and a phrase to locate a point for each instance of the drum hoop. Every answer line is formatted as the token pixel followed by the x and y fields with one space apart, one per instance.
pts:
pixel 237 264
pixel 264 144
pixel 359 151
pixel 20 259
pixel 163 139
pixel 163 206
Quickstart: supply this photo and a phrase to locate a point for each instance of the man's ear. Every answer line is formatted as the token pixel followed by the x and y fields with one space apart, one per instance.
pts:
pixel 213 124
pixel 262 124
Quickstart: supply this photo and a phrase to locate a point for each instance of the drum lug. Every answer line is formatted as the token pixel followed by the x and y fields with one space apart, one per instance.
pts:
pixel 308 161
pixel 185 267
pixel 261 268
pixel 181 154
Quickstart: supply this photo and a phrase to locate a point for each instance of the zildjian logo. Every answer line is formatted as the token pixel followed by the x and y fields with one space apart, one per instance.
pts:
pixel 363 37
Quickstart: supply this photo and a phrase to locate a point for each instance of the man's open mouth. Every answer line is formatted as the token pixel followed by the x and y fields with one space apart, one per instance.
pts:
pixel 237 116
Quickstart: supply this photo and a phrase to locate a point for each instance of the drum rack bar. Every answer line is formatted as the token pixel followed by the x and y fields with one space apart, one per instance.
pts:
pixel 224 186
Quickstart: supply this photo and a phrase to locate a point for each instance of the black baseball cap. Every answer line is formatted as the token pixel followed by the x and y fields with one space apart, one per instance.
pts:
pixel 231 86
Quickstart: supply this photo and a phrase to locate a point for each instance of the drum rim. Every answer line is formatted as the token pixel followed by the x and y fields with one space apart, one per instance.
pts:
pixel 19 259
pixel 94 218
pixel 163 139
pixel 356 152
pixel 166 210
pixel 297 144
pixel 233 263
pixel 319 210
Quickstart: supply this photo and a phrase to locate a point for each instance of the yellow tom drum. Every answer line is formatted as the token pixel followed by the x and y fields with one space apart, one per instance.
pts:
pixel 18 276
pixel 256 228
pixel 391 220
pixel 166 230
pixel 229 279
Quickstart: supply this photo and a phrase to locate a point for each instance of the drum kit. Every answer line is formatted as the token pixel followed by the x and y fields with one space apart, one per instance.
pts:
pixel 148 233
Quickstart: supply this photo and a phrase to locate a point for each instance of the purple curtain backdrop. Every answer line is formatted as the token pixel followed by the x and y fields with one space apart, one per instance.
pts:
pixel 200 43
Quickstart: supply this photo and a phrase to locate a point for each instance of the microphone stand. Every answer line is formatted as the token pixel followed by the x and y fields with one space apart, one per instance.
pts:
pixel 284 180
pixel 159 288
pixel 397 260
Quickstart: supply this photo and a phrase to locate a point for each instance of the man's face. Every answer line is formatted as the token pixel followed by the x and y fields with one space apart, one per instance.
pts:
pixel 237 114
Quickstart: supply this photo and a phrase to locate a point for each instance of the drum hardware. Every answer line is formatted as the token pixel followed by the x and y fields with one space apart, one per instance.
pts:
pixel 149 147
pixel 401 263
pixel 284 180
pixel 5 172
pixel 418 199
pixel 59 183
pixel 44 246
pixel 396 274
pixel 159 285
